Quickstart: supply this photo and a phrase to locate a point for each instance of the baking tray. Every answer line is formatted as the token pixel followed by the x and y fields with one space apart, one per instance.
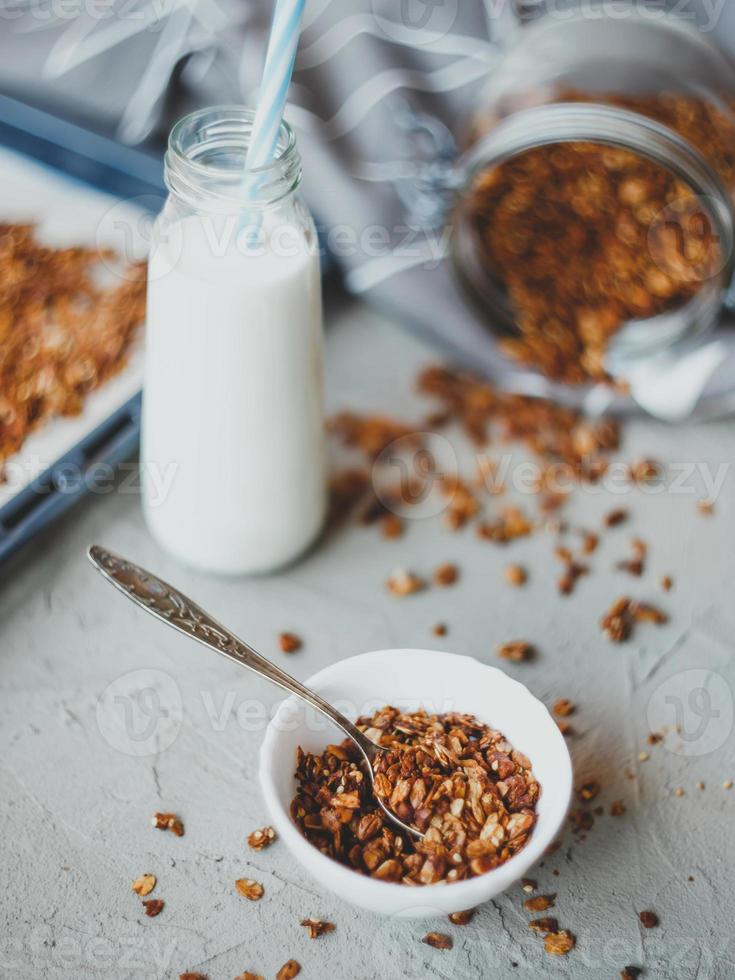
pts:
pixel 85 175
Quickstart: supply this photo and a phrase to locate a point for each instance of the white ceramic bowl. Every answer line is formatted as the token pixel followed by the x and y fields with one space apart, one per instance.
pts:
pixel 438 682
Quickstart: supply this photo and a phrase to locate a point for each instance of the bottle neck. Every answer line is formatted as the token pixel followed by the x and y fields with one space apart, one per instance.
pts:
pixel 205 167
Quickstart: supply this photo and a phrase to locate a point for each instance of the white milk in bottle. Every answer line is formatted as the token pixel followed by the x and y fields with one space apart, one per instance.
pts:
pixel 232 452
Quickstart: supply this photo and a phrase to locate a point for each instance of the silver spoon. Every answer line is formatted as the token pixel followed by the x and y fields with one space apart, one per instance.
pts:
pixel 173 608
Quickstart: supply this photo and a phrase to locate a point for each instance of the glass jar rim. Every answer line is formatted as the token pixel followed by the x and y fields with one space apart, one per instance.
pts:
pixel 589 122
pixel 585 122
pixel 228 129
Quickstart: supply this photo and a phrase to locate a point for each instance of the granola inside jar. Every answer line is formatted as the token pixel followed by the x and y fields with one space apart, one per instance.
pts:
pixel 595 221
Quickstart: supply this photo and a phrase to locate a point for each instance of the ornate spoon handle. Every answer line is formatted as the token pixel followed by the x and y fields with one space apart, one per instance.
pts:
pixel 172 607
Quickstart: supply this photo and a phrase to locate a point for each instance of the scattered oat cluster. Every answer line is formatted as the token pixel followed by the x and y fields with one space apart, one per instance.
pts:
pixel 586 237
pixel 455 779
pixel 260 839
pixel 516 651
pixel 248 888
pixel 554 433
pixel 403 582
pixel 289 642
pixel 564 444
pixel 146 883
pixel 169 821
pixel 143 886
pixel 62 334
pixel 371 436
pixel 649 920
pixel 557 942
pixel 317 927
pixel 617 623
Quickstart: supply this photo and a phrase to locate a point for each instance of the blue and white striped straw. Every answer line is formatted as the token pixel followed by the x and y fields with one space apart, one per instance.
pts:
pixel 279 63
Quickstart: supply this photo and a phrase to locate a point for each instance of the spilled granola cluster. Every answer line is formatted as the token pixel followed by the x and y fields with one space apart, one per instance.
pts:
pixel 554 433
pixel 618 622
pixel 568 450
pixel 63 334
pixel 455 779
pixel 586 237
pixel 567 447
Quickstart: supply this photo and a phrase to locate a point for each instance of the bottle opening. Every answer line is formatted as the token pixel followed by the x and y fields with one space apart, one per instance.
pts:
pixel 206 161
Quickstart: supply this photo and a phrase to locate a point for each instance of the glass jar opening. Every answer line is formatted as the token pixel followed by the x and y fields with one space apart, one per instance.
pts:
pixel 596 214
pixel 514 259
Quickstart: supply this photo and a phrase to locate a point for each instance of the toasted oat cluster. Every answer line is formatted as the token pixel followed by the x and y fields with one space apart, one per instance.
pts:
pixel 567 447
pixel 618 622
pixel 586 237
pixel 62 333
pixel 371 435
pixel 553 433
pixel 452 777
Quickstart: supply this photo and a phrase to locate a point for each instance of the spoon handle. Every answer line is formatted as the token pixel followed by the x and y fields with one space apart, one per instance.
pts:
pixel 173 608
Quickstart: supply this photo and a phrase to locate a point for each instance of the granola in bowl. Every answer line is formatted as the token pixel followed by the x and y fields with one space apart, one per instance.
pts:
pixel 455 779
pixel 439 683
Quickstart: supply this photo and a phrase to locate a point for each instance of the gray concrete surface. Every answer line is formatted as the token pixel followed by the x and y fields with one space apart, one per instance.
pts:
pixel 78 787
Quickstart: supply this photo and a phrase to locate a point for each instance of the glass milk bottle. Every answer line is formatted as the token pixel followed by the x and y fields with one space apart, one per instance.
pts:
pixel 232 451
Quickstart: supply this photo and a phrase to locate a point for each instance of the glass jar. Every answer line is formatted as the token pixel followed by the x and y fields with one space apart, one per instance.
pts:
pixel 595 225
pixel 232 452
